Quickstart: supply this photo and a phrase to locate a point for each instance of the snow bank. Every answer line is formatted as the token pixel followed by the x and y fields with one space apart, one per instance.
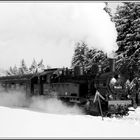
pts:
pixel 25 123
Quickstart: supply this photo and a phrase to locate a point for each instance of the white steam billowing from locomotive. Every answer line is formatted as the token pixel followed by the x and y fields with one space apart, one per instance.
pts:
pixel 18 99
pixel 71 22
pixel 42 29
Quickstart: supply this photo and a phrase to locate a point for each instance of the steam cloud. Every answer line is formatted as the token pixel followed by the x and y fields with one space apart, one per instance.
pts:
pixel 53 28
pixel 12 98
pixel 17 98
pixel 53 105
pixel 82 21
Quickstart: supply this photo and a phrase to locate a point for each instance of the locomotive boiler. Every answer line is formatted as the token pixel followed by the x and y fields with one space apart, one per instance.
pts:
pixel 97 92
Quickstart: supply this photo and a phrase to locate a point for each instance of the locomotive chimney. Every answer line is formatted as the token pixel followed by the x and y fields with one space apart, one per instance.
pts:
pixel 112 64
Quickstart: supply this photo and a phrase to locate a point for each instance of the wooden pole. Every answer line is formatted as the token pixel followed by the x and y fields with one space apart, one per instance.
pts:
pixel 100 107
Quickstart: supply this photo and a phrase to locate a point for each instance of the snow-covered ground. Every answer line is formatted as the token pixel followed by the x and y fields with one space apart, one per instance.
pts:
pixel 17 122
pixel 52 118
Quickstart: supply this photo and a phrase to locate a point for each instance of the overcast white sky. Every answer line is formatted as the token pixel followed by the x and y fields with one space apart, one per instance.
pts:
pixel 48 31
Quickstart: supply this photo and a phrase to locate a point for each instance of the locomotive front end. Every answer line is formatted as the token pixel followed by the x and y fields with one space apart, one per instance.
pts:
pixel 112 86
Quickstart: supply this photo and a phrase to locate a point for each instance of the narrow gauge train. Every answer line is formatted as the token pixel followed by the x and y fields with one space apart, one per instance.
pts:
pixel 92 91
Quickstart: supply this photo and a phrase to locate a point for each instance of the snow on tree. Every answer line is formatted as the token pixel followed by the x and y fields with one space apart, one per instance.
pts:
pixel 85 57
pixel 127 20
pixel 23 68
pixel 11 71
pixel 48 67
pixel 41 66
pixel 20 71
pixel 34 67
pixel 80 52
pixel 15 70
pixel 8 73
pixel 94 56
pixel 108 10
pixel 37 67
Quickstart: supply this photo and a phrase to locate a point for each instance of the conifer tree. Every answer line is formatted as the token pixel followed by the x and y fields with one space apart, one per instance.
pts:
pixel 85 57
pixel 108 10
pixel 127 21
pixel 80 52
pixel 11 71
pixel 23 68
pixel 8 73
pixel 20 71
pixel 34 67
pixel 41 66
pixel 15 70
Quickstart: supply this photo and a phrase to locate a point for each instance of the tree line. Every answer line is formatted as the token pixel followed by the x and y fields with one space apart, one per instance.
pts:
pixel 85 57
pixel 23 69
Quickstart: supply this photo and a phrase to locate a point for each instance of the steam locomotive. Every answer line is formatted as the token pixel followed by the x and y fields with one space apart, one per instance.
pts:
pixel 98 93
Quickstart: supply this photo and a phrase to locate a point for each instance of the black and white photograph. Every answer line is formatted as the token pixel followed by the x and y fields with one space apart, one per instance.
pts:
pixel 69 69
